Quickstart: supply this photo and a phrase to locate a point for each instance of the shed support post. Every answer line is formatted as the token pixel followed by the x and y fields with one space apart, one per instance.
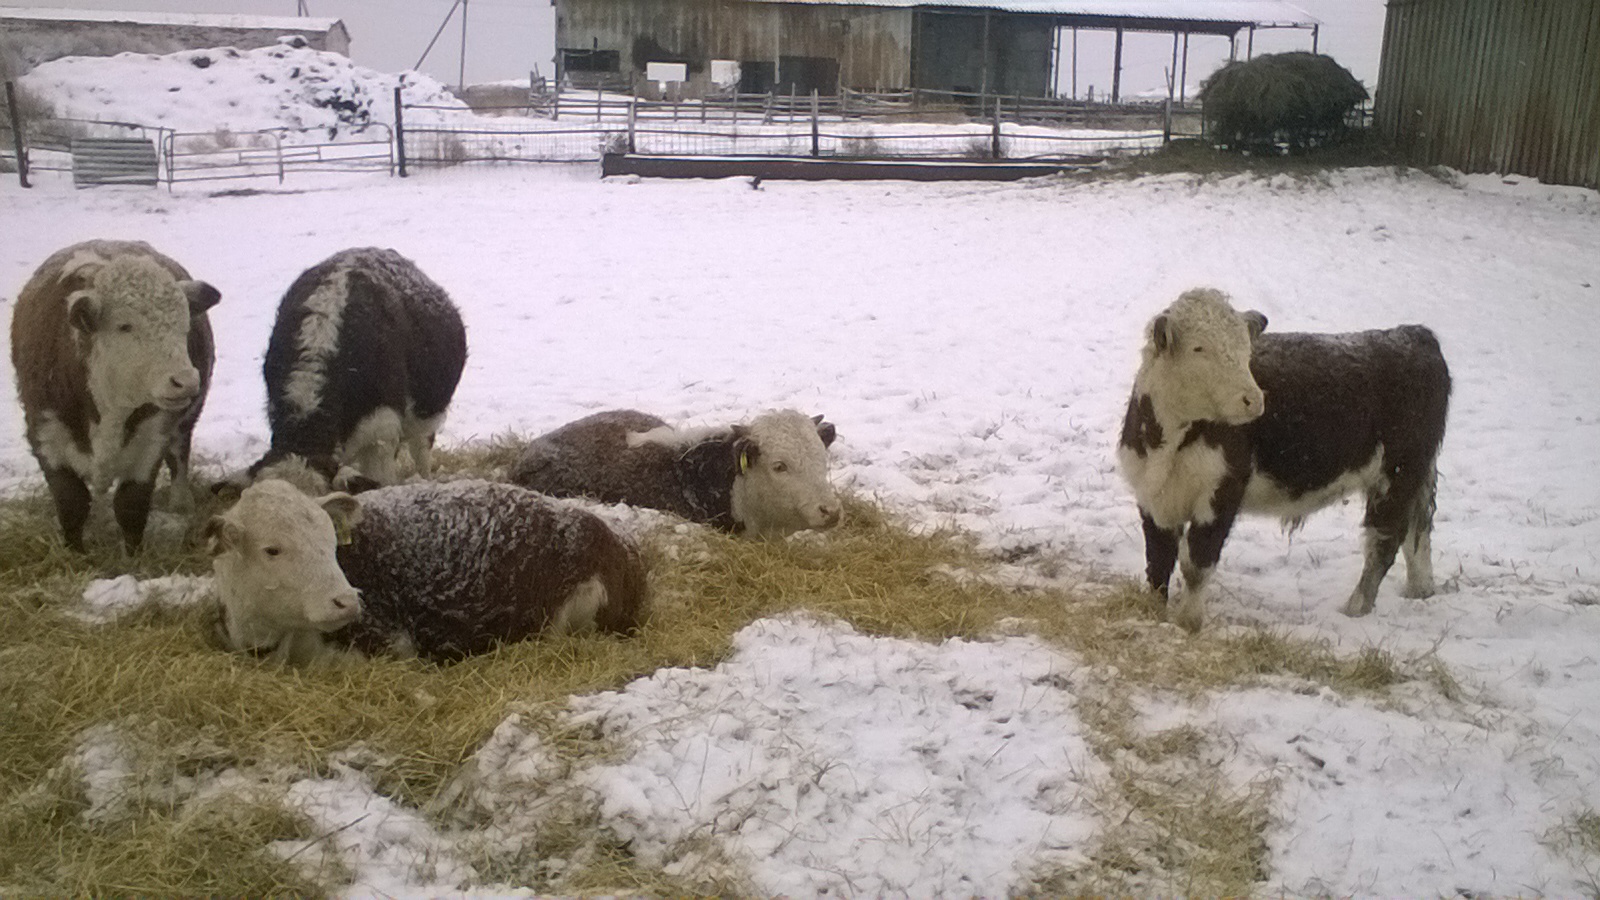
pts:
pixel 1116 70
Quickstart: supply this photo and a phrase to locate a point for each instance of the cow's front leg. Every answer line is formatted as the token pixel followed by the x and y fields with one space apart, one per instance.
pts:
pixel 1160 553
pixel 1202 547
pixel 132 507
pixel 72 498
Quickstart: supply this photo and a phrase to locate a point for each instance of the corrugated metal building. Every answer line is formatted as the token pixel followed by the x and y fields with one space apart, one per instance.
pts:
pixel 979 46
pixel 1494 86
pixel 30 36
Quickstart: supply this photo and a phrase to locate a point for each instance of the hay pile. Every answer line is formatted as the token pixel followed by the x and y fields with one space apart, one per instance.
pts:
pixel 1295 100
pixel 193 720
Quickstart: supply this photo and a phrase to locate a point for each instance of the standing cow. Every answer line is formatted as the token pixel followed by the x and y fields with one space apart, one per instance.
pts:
pixel 113 352
pixel 768 478
pixel 1224 419
pixel 364 357
pixel 439 571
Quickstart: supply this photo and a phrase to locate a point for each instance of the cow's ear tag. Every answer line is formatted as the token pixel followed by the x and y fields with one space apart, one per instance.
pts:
pixel 342 529
pixel 744 463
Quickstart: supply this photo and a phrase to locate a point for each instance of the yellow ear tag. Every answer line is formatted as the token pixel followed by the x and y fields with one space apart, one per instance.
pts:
pixel 342 529
pixel 744 463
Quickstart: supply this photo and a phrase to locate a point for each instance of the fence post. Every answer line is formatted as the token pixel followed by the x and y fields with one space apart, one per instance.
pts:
pixel 633 118
pixel 399 132
pixel 16 134
pixel 994 140
pixel 815 137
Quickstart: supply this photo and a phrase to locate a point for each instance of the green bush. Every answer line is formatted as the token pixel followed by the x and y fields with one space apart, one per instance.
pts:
pixel 1295 100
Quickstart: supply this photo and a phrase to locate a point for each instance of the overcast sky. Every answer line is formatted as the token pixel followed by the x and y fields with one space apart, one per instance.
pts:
pixel 507 38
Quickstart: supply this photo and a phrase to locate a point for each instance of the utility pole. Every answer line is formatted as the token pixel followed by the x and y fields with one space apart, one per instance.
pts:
pixel 461 78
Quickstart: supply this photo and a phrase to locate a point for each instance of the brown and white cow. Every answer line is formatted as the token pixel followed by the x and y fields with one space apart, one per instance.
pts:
pixel 436 570
pixel 113 352
pixel 1225 418
pixel 363 359
pixel 768 478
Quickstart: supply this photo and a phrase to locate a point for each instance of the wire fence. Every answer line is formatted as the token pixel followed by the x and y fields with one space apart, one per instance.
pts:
pixel 582 126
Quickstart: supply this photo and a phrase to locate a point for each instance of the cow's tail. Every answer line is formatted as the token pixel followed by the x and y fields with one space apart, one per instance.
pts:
pixel 1419 523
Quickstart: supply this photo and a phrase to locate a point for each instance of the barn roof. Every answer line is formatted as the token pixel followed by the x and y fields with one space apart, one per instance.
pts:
pixel 1156 14
pixel 213 20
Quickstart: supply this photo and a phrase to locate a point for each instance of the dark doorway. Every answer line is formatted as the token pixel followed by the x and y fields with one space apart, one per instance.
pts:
pixel 801 75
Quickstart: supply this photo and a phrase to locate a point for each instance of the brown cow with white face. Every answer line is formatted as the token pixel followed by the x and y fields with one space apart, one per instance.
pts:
pixel 113 353
pixel 767 478
pixel 1226 419
pixel 442 571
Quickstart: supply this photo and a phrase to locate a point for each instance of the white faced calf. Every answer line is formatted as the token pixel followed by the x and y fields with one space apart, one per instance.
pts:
pixel 765 479
pixel 113 354
pixel 443 571
pixel 1225 418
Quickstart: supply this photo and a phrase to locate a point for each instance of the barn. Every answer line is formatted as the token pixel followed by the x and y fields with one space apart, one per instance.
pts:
pixel 30 36
pixel 1011 47
pixel 1492 86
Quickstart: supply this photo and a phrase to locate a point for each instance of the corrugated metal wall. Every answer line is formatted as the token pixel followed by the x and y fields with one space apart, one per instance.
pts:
pixel 1494 86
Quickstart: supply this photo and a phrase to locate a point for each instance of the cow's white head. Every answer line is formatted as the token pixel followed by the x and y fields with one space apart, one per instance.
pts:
pixel 133 317
pixel 1196 364
pixel 273 560
pixel 782 486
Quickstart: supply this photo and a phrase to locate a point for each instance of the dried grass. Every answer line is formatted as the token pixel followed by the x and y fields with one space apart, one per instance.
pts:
pixel 189 708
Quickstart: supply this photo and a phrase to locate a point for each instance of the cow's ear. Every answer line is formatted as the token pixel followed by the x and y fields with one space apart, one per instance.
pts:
pixel 220 536
pixel 83 311
pixel 825 430
pixel 341 507
pixel 1163 334
pixel 1255 321
pixel 745 449
pixel 202 296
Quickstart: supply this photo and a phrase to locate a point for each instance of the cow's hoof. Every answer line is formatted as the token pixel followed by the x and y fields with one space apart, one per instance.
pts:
pixel 1189 617
pixel 1357 606
pixel 1417 592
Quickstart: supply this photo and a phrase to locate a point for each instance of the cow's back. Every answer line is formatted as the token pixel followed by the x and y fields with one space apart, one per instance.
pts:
pixel 591 457
pixel 451 570
pixel 1333 399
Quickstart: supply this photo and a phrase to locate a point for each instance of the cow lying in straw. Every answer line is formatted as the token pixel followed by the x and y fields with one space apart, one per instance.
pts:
pixel 767 479
pixel 440 571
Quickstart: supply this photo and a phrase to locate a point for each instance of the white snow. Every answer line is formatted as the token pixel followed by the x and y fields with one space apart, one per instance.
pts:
pixel 840 764
pixel 974 344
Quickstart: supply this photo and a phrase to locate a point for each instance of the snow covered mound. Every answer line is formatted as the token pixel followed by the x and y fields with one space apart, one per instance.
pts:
pixel 285 86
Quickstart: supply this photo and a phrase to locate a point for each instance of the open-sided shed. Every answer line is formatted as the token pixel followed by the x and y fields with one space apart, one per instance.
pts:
pixel 965 46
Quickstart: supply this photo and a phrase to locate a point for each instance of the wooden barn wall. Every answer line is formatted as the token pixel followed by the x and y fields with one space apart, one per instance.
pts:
pixel 870 44
pixel 1494 86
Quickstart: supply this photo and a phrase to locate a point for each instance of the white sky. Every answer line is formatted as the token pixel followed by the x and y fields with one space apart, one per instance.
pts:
pixel 507 38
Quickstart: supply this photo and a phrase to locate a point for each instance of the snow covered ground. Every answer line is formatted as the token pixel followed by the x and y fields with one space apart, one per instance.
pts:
pixel 974 344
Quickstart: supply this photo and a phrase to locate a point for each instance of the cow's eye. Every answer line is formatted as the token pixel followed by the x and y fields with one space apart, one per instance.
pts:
pixel 780 466
pixel 125 328
pixel 1199 349
pixel 271 551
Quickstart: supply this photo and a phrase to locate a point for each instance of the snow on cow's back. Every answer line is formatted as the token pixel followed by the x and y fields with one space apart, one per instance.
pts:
pixel 451 569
